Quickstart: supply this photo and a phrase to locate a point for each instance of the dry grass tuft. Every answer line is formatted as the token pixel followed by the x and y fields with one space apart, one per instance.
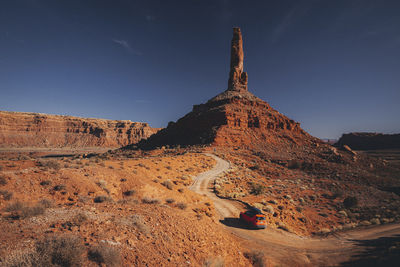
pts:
pixel 170 200
pixel 101 199
pixel 181 205
pixel 129 193
pixel 45 183
pixel 7 195
pixel 168 184
pixel 59 187
pixel 52 164
pixel 3 180
pixel 104 254
pixel 257 189
pixel 55 251
pixel 256 257
pixel 147 200
pixel 20 210
pixel 214 262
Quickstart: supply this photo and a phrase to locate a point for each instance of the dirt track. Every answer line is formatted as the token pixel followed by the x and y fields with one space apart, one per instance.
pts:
pixel 287 248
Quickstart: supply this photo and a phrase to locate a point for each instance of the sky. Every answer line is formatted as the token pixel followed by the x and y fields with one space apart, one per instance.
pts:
pixel 333 66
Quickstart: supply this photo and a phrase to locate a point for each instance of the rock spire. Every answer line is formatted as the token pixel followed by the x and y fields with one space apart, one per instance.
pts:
pixel 237 78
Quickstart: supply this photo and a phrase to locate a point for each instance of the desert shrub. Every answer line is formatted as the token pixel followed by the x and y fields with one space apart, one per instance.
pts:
pixel 139 224
pixel 6 194
pixel 20 210
pixel 148 200
pixel 45 183
pixel 170 200
pixel 294 164
pixel 52 164
pixel 350 202
pixel 3 180
pixel 101 199
pixel 104 254
pixel 79 218
pixel 47 203
pixel 59 187
pixel 181 205
pixel 15 206
pixel 31 211
pixel 65 250
pixel 214 262
pixel 255 167
pixel 257 189
pixel 129 193
pixel 168 184
pixel 21 258
pixel 128 201
pixel 256 257
pixel 181 190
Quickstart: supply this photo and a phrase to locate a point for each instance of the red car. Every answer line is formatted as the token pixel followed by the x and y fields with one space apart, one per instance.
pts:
pixel 254 218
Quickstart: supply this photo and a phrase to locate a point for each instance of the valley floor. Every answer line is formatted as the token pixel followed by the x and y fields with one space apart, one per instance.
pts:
pixel 156 208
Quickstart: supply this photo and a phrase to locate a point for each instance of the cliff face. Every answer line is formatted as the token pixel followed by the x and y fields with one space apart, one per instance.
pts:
pixel 18 129
pixel 235 117
pixel 369 141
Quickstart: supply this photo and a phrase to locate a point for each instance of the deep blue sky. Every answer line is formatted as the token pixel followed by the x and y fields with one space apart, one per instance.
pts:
pixel 334 66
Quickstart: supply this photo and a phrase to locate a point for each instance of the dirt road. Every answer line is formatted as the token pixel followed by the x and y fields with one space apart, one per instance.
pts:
pixel 286 248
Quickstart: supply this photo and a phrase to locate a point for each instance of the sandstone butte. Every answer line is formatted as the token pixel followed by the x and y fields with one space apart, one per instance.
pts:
pixel 234 117
pixel 19 129
pixel 369 141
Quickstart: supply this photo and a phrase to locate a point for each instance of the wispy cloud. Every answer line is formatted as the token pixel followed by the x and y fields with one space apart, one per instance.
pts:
pixel 125 44
pixel 289 19
pixel 150 17
pixel 142 101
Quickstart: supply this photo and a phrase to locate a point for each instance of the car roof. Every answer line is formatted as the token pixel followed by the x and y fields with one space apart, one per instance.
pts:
pixel 255 210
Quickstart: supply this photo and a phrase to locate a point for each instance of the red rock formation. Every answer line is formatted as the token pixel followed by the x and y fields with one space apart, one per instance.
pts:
pixel 234 118
pixel 369 141
pixel 237 78
pixel 18 129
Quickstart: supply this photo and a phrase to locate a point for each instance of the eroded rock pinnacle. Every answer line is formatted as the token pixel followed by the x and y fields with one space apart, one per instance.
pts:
pixel 237 78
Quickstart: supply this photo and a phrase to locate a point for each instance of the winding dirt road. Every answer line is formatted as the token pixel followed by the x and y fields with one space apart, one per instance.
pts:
pixel 286 248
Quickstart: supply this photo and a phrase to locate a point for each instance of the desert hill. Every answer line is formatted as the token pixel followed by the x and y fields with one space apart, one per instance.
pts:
pixel 20 129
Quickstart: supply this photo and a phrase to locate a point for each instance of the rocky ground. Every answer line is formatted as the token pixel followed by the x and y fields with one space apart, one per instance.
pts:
pixel 135 208
pixel 132 207
pixel 310 195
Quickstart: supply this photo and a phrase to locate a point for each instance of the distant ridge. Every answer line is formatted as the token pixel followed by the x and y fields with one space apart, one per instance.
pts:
pixel 25 129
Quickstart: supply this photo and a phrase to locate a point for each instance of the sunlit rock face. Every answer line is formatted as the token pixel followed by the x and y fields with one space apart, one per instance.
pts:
pixel 19 129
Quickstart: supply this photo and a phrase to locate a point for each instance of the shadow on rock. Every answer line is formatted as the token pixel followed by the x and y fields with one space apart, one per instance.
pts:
pixel 384 251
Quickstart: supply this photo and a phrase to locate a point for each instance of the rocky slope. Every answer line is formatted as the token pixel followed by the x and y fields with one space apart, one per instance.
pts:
pixel 18 129
pixel 369 141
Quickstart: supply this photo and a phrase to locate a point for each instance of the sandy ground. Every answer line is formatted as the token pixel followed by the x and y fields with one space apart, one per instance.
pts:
pixel 286 248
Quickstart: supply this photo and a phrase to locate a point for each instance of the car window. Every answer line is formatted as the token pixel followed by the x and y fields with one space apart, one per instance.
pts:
pixel 261 218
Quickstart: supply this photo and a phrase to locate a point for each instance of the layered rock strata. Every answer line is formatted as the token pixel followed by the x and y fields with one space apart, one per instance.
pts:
pixel 19 129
